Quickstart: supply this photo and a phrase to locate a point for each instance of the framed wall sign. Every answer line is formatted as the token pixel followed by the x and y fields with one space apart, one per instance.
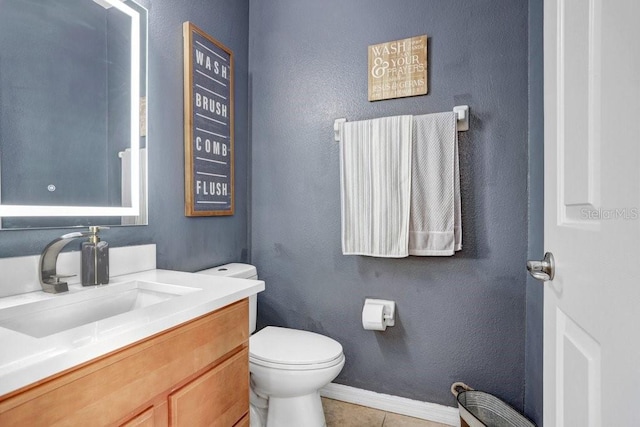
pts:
pixel 398 68
pixel 208 125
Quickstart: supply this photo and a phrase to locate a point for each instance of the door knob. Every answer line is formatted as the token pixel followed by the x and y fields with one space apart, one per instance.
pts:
pixel 542 270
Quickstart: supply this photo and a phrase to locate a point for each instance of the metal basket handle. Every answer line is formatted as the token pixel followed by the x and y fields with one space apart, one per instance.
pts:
pixel 455 388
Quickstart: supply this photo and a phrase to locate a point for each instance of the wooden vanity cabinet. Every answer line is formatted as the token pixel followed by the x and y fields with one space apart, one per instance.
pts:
pixel 196 374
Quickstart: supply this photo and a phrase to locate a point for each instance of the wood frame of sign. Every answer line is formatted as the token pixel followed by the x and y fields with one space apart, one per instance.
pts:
pixel 208 125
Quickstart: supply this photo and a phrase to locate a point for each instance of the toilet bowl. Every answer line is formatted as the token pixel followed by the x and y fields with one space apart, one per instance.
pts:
pixel 287 366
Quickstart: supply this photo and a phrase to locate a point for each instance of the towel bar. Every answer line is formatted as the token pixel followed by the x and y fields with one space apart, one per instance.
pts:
pixel 462 114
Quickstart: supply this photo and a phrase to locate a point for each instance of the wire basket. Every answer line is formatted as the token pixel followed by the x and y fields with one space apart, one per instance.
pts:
pixel 480 409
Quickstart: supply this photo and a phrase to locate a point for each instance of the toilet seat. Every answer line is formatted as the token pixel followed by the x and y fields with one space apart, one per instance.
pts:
pixel 286 367
pixel 292 349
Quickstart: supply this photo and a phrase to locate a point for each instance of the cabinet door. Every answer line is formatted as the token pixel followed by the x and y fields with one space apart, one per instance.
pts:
pixel 219 397
pixel 244 422
pixel 145 419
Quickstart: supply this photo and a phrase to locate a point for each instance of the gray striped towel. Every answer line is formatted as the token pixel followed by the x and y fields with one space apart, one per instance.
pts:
pixel 375 173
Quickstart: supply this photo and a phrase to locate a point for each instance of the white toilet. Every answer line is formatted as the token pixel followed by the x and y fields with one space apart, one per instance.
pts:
pixel 288 367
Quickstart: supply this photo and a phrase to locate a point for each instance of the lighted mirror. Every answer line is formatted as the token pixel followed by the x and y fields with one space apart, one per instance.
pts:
pixel 72 113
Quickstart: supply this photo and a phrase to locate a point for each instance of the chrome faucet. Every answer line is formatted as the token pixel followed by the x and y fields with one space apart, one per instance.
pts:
pixel 49 279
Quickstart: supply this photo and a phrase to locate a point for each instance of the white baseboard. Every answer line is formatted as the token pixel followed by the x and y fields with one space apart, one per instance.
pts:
pixel 388 403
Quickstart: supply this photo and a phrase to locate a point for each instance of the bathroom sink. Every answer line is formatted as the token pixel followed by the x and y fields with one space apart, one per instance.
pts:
pixel 67 311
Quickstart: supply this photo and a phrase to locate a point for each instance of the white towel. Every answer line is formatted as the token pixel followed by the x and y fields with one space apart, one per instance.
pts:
pixel 375 175
pixel 435 227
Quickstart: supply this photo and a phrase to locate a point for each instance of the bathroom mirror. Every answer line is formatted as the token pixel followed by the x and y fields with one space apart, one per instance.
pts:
pixel 72 113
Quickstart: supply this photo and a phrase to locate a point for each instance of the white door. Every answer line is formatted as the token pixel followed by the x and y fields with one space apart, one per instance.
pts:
pixel 592 208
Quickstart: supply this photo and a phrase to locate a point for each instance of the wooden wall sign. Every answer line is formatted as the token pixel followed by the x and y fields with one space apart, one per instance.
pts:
pixel 398 68
pixel 208 125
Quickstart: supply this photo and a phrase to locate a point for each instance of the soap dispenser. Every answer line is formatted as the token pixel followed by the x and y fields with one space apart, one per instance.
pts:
pixel 95 259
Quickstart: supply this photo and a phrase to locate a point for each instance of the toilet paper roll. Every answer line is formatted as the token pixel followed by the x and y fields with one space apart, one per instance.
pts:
pixel 373 317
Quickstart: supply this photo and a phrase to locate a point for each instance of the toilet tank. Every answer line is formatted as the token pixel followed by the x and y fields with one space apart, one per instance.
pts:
pixel 240 271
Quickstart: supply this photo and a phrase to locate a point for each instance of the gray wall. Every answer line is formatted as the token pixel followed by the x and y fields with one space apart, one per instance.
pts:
pixel 535 249
pixel 183 243
pixel 459 318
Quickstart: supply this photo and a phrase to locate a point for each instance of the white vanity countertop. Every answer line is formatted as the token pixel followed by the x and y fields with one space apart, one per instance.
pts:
pixel 25 359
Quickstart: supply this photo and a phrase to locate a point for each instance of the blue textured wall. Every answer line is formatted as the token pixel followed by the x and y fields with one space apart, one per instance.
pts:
pixel 534 341
pixel 183 243
pixel 459 318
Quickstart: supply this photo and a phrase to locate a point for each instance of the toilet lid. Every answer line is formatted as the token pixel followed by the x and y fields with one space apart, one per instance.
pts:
pixel 292 347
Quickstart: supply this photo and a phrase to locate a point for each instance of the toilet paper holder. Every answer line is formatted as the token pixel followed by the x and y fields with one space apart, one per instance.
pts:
pixel 388 313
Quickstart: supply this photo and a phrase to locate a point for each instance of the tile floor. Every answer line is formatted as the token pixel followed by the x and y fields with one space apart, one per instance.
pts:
pixel 342 414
